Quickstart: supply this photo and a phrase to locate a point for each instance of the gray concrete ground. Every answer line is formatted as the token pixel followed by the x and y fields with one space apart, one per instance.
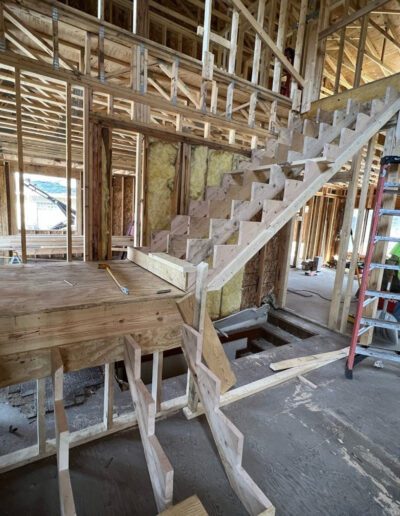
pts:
pixel 329 450
pixel 312 305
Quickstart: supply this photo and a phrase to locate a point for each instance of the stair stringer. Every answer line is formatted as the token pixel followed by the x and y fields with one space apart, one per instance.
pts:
pixel 288 208
pixel 160 469
pixel 228 439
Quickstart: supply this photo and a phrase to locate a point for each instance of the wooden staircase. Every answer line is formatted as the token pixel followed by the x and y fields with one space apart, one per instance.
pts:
pixel 236 219
pixel 226 229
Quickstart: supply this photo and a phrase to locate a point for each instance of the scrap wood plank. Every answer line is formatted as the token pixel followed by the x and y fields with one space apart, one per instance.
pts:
pixel 294 362
pixel 264 383
pixel 213 352
pixel 192 506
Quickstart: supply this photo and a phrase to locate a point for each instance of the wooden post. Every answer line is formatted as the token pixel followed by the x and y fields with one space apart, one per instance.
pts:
pixel 20 151
pixel 100 55
pixel 282 276
pixel 342 43
pixel 41 414
pixel 198 324
pixel 67 504
pixel 87 53
pixel 108 402
pixel 56 60
pixel 156 382
pixel 101 190
pixel 256 66
pixel 68 165
pixel 87 175
pixel 358 233
pixel 2 27
pixel 361 50
pixel 138 218
pixel 160 469
pixel 344 242
pixel 276 81
pixel 140 18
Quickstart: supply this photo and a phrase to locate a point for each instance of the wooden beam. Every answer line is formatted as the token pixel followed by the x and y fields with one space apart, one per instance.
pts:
pixel 385 33
pixel 365 93
pixel 40 42
pixel 267 40
pixel 166 134
pixel 370 6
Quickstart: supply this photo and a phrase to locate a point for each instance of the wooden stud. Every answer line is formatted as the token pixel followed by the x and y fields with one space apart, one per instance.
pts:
pixel 351 18
pixel 67 504
pixel 100 54
pixel 341 51
pixel 41 414
pixel 87 53
pixel 344 243
pixel 68 170
pixel 361 51
pixel 20 163
pixel 56 60
pixel 2 27
pixel 267 40
pixel 87 175
pixel 357 234
pixel 156 382
pixel 108 403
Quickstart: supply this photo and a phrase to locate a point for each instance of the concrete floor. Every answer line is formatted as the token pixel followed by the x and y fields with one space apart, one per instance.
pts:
pixel 315 307
pixel 331 450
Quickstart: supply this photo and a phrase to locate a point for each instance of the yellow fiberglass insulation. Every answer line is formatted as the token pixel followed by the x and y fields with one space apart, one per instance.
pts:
pixel 198 168
pixel 160 185
pixel 219 162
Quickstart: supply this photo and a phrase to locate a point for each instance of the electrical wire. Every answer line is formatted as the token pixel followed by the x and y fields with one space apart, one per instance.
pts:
pixel 311 292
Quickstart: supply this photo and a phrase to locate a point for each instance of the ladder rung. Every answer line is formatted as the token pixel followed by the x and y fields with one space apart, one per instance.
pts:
pixel 361 331
pixel 380 238
pixel 393 213
pixel 382 294
pixel 368 301
pixel 380 323
pixel 389 184
pixel 378 353
pixel 387 266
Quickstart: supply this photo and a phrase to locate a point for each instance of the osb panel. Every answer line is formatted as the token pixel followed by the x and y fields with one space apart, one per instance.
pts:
pixel 219 162
pixel 198 169
pixel 159 185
